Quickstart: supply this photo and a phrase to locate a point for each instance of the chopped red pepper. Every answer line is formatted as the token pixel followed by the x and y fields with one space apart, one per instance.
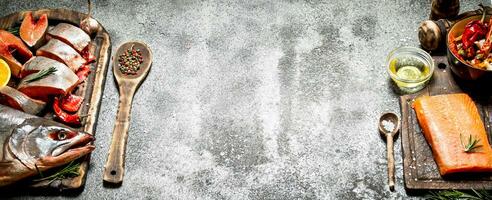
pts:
pixel 83 72
pixel 71 119
pixel 71 103
pixel 474 30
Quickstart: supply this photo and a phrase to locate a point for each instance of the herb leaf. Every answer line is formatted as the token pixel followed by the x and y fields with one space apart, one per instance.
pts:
pixel 71 170
pixel 455 194
pixel 472 144
pixel 40 75
pixel 14 30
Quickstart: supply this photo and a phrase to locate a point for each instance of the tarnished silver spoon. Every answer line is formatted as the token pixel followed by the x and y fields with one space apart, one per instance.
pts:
pixel 89 24
pixel 389 124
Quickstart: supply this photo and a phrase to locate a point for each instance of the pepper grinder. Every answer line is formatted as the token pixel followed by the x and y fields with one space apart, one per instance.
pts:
pixel 444 9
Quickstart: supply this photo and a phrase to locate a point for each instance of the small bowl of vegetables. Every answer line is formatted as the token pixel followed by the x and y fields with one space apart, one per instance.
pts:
pixel 469 45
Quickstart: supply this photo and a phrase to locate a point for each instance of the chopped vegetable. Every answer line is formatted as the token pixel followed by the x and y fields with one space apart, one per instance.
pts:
pixel 474 45
pixel 72 119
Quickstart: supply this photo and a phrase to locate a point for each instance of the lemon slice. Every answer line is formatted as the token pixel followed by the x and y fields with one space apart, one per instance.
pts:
pixel 4 73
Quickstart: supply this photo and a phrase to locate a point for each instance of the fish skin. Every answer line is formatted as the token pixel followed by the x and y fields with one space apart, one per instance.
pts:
pixel 71 35
pixel 58 50
pixel 446 118
pixel 32 143
pixel 61 82
pixel 18 100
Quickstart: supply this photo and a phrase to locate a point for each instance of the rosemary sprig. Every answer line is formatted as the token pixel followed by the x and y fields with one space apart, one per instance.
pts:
pixel 14 30
pixel 472 144
pixel 455 194
pixel 40 75
pixel 71 170
pixel 37 169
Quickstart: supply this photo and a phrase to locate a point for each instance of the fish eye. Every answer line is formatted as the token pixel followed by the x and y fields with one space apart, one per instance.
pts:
pixel 61 135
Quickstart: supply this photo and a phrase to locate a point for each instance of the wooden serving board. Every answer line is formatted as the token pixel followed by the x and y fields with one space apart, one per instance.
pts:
pixel 91 89
pixel 419 168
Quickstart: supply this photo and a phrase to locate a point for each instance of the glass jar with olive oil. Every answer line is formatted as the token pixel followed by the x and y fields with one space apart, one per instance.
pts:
pixel 410 68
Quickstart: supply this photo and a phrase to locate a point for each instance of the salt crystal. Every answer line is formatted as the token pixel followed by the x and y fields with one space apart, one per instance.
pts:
pixel 388 125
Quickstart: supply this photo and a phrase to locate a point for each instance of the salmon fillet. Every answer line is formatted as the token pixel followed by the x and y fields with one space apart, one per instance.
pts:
pixel 447 121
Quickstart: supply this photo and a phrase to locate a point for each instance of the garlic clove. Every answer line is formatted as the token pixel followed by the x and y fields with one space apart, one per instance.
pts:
pixel 89 25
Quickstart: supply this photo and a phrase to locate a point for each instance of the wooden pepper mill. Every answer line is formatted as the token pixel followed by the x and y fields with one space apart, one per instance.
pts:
pixel 432 33
pixel 444 9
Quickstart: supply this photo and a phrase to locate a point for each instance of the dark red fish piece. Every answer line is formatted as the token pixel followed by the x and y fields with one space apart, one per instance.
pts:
pixel 71 103
pixel 70 119
pixel 83 73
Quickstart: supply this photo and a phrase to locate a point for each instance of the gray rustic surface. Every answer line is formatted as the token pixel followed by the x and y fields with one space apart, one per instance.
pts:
pixel 253 99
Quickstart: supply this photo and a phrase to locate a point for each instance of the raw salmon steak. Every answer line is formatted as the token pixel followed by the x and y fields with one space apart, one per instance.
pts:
pixel 32 31
pixel 60 82
pixel 13 51
pixel 18 100
pixel 58 50
pixel 71 35
pixel 447 122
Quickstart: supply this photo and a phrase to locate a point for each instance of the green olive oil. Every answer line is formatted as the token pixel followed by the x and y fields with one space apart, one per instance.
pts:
pixel 411 73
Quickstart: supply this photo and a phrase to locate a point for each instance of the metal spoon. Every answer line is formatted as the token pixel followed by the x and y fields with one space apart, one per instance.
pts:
pixel 89 24
pixel 128 85
pixel 388 119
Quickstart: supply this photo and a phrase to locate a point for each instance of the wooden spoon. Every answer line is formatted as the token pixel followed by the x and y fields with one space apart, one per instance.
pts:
pixel 128 85
pixel 388 121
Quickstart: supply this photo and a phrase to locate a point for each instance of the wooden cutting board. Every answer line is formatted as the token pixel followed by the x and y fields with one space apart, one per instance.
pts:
pixel 91 89
pixel 419 168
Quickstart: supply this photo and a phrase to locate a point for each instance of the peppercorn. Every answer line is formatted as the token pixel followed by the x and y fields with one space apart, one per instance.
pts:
pixel 130 61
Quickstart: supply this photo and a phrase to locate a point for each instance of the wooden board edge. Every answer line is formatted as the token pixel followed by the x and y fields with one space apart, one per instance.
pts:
pixel 91 121
pixel 405 143
pixel 429 185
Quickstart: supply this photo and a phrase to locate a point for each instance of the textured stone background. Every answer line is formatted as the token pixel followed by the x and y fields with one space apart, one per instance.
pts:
pixel 254 99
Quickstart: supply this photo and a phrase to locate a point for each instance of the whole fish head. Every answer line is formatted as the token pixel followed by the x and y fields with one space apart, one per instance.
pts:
pixel 44 144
